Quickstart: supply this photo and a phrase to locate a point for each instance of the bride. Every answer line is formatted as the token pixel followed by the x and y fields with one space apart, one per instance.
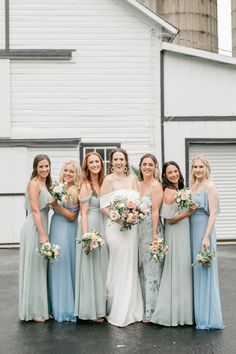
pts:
pixel 125 304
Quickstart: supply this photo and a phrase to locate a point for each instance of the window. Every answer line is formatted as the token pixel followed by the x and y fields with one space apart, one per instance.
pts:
pixel 103 149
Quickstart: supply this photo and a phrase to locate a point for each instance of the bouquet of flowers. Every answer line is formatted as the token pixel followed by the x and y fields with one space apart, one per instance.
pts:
pixel 91 241
pixel 158 250
pixel 50 252
pixel 59 191
pixel 183 198
pixel 205 257
pixel 128 212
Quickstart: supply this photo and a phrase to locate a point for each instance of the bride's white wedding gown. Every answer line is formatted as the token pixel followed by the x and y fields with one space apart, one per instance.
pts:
pixel 125 304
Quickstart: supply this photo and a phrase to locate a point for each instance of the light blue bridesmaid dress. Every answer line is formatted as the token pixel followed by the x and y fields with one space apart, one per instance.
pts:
pixel 33 292
pixel 91 269
pixel 207 307
pixel 149 270
pixel 62 272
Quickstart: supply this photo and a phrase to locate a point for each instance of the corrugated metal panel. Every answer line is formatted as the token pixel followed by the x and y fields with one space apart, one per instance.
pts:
pixel 2 24
pixel 222 159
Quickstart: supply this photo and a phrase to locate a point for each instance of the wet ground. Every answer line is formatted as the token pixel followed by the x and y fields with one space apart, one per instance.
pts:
pixel 90 338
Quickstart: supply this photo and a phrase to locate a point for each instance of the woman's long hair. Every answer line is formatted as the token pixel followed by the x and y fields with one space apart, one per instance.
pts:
pixel 156 173
pixel 34 174
pixel 124 152
pixel 77 174
pixel 165 182
pixel 86 175
pixel 207 175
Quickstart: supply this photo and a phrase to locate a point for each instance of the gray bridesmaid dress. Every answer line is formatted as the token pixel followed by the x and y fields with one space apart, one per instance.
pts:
pixel 175 300
pixel 91 269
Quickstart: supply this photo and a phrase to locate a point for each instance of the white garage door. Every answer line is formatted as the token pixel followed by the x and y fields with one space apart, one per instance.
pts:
pixel 17 162
pixel 222 158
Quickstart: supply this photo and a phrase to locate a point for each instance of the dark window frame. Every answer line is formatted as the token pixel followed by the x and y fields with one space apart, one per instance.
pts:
pixel 29 54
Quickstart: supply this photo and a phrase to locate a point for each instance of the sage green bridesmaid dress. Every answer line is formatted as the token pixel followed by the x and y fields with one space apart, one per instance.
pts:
pixel 33 294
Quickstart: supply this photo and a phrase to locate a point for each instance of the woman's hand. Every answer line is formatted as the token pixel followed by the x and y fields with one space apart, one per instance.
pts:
pixel 155 236
pixel 43 238
pixel 206 242
pixel 192 208
pixel 52 202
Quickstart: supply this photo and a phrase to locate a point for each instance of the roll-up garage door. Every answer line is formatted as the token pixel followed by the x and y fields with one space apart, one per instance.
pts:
pixel 222 158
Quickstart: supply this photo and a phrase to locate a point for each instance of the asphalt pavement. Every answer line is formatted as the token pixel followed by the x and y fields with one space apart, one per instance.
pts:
pixel 17 337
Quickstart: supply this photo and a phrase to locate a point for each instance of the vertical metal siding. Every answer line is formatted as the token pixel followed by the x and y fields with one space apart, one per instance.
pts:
pixel 222 159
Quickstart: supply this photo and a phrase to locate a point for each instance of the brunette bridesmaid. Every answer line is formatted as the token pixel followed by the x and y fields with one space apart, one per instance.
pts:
pixel 33 292
pixel 175 303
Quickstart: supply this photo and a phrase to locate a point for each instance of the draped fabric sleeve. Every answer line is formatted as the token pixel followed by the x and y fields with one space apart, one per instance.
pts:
pixel 86 200
pixel 168 211
pixel 203 202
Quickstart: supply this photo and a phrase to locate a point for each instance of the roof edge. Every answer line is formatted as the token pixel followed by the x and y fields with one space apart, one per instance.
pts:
pixel 153 16
pixel 174 48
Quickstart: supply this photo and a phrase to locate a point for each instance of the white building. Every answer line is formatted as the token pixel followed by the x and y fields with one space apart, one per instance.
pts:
pixel 92 74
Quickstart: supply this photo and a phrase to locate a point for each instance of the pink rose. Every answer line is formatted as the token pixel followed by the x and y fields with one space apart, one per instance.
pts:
pixel 131 204
pixel 114 215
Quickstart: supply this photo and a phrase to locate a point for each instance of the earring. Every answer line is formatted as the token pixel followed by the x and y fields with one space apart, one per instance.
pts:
pixel 112 169
pixel 125 169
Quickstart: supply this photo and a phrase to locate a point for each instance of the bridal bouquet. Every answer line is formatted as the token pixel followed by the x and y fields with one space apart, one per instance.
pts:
pixel 50 252
pixel 128 212
pixel 158 250
pixel 183 198
pixel 91 241
pixel 205 257
pixel 59 191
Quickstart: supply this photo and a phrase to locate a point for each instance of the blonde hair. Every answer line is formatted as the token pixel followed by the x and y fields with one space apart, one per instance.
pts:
pixel 207 176
pixel 77 175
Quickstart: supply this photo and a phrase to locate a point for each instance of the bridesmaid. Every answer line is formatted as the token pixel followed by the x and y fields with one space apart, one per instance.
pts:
pixel 207 307
pixel 63 232
pixel 90 294
pixel 175 305
pixel 151 193
pixel 33 295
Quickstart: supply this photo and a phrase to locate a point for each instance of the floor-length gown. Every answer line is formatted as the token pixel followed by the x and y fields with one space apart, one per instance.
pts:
pixel 62 272
pixel 207 307
pixel 33 294
pixel 175 303
pixel 125 304
pixel 149 270
pixel 91 269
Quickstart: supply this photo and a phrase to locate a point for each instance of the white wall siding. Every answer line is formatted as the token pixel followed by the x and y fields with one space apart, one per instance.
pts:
pixel 108 92
pixel 5 118
pixel 197 87
pixel 2 24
